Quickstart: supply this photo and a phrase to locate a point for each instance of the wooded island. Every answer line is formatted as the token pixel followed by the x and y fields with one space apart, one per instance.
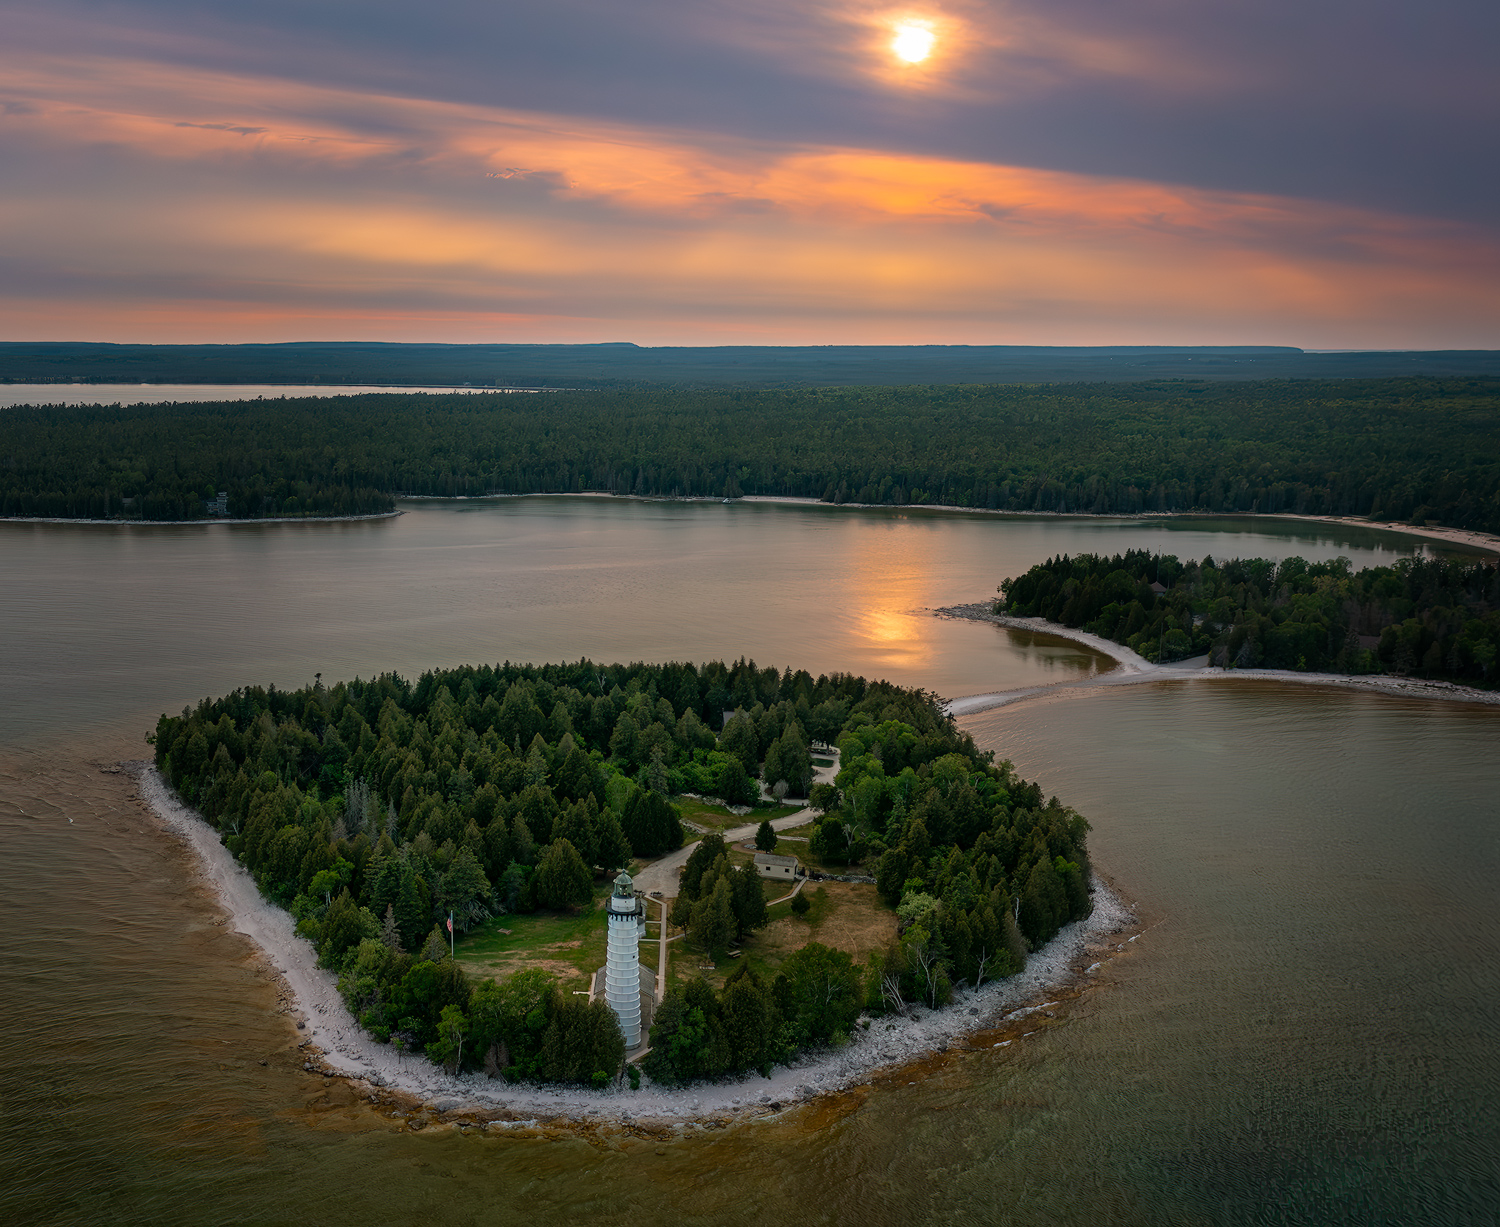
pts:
pixel 374 810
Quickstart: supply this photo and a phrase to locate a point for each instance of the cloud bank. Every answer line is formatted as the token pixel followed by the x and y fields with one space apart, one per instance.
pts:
pixel 714 173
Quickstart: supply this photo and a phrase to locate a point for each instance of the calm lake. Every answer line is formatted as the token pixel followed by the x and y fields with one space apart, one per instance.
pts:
pixel 1305 1033
pixel 12 394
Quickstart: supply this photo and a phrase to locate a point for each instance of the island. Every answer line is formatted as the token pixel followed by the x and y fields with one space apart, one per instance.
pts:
pixel 452 847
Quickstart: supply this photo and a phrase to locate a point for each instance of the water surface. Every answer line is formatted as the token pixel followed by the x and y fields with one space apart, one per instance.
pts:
pixel 12 394
pixel 1304 1033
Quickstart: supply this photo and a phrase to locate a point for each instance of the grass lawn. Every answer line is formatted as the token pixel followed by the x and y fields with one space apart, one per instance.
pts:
pixel 570 947
pixel 717 818
pixel 844 915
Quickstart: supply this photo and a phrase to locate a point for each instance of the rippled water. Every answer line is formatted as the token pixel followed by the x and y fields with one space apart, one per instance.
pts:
pixel 1304 1034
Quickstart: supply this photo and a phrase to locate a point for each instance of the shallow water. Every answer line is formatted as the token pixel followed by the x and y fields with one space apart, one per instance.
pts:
pixel 1304 1033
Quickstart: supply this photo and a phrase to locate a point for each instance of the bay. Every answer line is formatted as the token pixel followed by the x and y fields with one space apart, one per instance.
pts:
pixel 1302 1034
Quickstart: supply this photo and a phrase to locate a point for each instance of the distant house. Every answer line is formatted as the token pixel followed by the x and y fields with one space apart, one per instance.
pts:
pixel 769 865
pixel 219 505
pixel 1158 588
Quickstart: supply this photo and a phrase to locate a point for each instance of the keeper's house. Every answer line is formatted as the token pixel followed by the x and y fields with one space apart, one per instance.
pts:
pixel 769 865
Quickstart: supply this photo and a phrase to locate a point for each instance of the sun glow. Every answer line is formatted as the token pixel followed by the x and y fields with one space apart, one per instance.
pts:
pixel 913 42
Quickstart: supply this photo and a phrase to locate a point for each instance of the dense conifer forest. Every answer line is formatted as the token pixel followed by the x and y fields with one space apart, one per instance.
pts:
pixel 623 364
pixel 1421 449
pixel 374 810
pixel 1425 617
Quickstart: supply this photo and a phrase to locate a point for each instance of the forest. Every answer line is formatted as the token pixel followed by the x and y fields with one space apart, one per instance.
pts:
pixel 1421 450
pixel 375 810
pixel 1421 617
pixel 623 364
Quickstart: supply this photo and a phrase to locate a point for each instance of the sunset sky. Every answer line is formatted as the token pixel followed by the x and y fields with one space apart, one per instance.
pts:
pixel 685 172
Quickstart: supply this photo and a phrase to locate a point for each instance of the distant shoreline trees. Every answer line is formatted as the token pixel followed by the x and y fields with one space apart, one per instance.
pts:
pixel 1418 450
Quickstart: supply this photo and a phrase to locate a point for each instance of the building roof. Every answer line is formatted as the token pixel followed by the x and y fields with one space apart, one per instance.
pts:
pixel 770 858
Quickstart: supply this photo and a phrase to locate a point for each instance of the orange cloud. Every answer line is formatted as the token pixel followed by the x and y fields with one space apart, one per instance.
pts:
pixel 481 218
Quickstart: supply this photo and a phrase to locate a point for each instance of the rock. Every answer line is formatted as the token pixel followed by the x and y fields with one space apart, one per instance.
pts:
pixel 974 1011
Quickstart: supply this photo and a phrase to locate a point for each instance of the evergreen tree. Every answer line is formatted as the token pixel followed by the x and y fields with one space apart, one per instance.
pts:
pixel 613 849
pixel 705 854
pixel 390 935
pixel 582 1039
pixel 464 891
pixel 749 900
pixel 740 739
pixel 575 825
pixel 750 1020
pixel 435 948
pixel 562 879
pixel 713 925
pixel 411 914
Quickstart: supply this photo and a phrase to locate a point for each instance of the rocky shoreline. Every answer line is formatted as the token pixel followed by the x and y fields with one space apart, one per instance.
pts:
pixel 998 1015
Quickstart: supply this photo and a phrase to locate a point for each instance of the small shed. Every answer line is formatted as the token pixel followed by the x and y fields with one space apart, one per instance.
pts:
pixel 1159 588
pixel 769 865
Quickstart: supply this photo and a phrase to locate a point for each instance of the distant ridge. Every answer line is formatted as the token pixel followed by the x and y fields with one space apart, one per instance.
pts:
pixel 623 364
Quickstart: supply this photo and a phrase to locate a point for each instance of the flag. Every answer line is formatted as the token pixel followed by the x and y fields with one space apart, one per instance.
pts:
pixel 450 923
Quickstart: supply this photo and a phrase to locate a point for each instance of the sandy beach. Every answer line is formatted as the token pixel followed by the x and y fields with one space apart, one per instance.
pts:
pixel 1132 669
pixel 334 1045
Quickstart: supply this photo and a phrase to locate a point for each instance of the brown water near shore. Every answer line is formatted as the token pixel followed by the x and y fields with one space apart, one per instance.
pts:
pixel 1304 1034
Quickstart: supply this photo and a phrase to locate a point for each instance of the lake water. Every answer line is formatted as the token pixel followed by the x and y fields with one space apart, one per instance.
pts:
pixel 12 394
pixel 1304 1034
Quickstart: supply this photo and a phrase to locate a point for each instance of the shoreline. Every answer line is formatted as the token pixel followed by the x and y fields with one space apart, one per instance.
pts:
pixel 1470 539
pixel 1132 669
pixel 372 515
pixel 335 1046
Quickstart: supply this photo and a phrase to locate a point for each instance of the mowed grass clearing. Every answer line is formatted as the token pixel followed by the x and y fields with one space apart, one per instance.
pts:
pixel 846 916
pixel 569 946
pixel 717 818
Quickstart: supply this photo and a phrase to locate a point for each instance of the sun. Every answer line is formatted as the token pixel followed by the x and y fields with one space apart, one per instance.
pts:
pixel 913 41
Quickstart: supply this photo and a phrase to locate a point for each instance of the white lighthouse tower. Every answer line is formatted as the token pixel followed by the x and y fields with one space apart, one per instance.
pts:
pixel 622 966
